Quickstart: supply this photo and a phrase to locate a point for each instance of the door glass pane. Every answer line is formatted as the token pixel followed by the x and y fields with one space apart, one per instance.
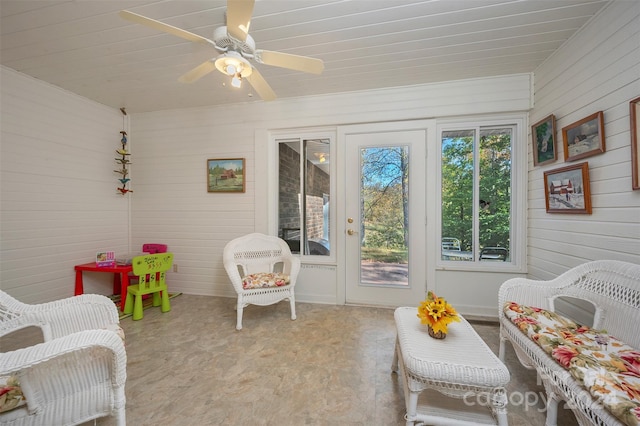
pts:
pixel 384 215
pixel 289 193
pixel 457 195
pixel 495 194
pixel 317 180
pixel 304 184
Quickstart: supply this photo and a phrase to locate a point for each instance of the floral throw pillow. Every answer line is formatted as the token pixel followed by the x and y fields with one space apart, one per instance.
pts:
pixel 265 279
pixel 10 394
pixel 607 367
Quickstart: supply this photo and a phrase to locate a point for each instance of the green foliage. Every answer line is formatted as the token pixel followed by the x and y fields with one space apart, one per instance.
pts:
pixel 384 197
pixel 457 190
pixel 377 254
pixel 494 189
pixel 547 153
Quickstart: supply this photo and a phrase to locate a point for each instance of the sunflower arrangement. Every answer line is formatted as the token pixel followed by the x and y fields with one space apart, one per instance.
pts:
pixel 437 313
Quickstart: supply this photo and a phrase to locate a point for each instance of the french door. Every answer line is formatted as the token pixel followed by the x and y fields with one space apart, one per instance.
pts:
pixel 384 217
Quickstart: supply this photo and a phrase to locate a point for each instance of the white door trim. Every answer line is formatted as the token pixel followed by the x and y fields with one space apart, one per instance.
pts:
pixel 428 126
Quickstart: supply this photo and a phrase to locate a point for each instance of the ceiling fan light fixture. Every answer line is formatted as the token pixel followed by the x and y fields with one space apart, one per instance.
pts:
pixel 321 156
pixel 236 81
pixel 232 63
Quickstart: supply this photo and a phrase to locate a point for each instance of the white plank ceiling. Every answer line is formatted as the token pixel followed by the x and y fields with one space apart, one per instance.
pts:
pixel 84 47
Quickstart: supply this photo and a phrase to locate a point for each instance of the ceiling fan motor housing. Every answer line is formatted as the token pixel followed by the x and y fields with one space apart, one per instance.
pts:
pixel 224 42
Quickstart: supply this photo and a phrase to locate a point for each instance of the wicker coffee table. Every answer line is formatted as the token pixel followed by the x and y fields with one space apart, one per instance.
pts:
pixel 454 381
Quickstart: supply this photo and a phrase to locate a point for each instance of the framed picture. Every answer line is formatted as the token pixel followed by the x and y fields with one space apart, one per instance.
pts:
pixel 543 134
pixel 567 189
pixel 225 175
pixel 584 138
pixel 634 114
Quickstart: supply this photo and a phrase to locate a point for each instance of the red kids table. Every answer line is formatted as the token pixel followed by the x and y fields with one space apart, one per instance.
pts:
pixel 120 278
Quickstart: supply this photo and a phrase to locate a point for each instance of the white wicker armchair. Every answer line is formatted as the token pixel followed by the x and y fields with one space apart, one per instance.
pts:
pixel 78 373
pixel 257 254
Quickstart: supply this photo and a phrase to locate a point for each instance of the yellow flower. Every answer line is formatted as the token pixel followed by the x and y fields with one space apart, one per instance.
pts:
pixel 437 313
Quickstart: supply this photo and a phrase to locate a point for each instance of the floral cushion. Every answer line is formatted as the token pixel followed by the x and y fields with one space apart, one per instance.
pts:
pixel 265 279
pixel 10 394
pixel 606 366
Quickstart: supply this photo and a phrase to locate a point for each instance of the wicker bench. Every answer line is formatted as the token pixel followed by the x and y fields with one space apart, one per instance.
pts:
pixel 613 288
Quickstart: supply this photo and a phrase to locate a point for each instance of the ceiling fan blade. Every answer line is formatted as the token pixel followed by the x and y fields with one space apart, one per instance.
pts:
pixel 198 72
pixel 261 86
pixel 239 18
pixel 292 62
pixel 157 25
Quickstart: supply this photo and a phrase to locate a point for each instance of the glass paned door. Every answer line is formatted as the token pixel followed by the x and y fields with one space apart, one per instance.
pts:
pixel 385 211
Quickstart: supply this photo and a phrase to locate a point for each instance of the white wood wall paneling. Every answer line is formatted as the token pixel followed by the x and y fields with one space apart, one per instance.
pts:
pixel 176 209
pixel 59 202
pixel 617 24
pixel 598 69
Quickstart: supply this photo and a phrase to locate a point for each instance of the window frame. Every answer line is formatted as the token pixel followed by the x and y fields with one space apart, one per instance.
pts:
pixel 277 137
pixel 519 172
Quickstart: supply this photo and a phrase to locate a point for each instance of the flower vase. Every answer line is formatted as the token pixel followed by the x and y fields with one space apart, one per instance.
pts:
pixel 436 334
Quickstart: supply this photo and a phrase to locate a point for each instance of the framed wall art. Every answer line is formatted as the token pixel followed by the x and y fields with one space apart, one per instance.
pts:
pixel 634 114
pixel 567 189
pixel 543 134
pixel 584 138
pixel 225 175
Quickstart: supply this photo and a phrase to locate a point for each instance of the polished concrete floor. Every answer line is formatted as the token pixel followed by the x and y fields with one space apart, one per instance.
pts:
pixel 332 366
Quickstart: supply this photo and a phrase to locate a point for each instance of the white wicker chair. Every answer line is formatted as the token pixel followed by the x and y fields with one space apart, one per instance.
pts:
pixel 78 373
pixel 258 253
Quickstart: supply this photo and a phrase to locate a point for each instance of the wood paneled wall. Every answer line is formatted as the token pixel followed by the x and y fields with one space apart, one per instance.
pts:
pixel 597 70
pixel 59 203
pixel 170 202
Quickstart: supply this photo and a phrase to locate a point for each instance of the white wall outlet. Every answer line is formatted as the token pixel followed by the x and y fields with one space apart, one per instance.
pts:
pixel 175 267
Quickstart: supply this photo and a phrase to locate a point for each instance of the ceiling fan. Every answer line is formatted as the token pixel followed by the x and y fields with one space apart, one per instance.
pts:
pixel 237 47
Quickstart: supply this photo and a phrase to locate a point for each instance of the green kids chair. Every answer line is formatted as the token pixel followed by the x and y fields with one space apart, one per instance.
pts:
pixel 151 270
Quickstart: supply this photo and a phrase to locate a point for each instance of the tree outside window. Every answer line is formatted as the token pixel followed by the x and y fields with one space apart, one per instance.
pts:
pixel 476 181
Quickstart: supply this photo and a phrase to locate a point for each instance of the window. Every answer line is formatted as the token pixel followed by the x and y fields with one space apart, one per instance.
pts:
pixel 477 213
pixel 304 194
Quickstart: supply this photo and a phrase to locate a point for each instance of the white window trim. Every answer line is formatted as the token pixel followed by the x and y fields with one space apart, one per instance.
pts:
pixel 519 171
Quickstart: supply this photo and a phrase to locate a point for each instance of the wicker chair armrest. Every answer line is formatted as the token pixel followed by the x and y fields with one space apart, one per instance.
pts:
pixel 51 370
pixel 17 361
pixel 73 314
pixel 293 269
pixel 234 275
pixel 14 324
pixel 528 292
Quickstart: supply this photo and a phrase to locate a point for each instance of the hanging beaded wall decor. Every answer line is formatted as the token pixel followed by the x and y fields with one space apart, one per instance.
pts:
pixel 124 160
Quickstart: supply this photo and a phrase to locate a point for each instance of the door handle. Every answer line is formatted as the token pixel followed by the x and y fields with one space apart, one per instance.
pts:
pixel 351 231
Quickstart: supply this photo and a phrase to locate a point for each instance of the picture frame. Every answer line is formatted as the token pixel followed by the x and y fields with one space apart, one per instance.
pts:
pixel 543 134
pixel 225 175
pixel 634 116
pixel 567 189
pixel 584 138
